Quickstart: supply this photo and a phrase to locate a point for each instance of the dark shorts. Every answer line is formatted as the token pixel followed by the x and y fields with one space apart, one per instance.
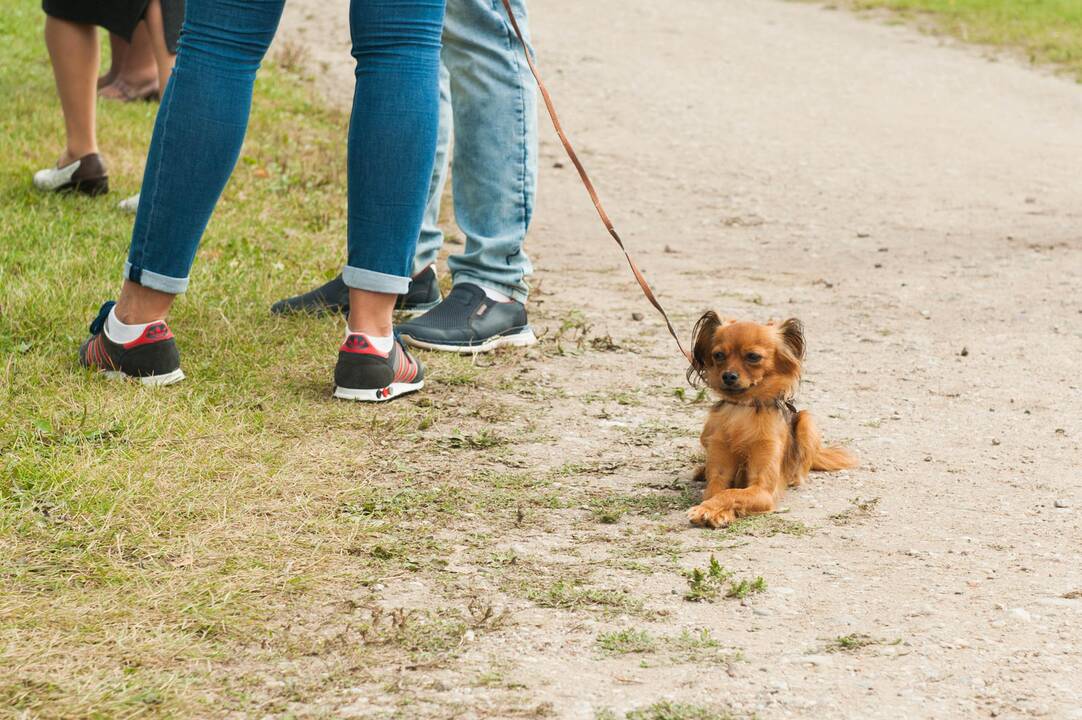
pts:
pixel 119 17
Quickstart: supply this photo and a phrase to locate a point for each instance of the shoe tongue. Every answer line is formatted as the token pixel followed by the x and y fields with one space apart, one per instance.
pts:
pixel 466 293
pixel 98 323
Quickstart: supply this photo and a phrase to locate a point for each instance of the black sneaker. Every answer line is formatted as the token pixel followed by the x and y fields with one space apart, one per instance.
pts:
pixel 423 295
pixel 333 297
pixel 152 358
pixel 366 374
pixel 468 321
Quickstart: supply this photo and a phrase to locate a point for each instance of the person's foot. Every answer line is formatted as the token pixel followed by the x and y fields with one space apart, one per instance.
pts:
pixel 423 295
pixel 333 297
pixel 366 374
pixel 124 91
pixel 468 321
pixel 330 297
pixel 152 358
pixel 86 175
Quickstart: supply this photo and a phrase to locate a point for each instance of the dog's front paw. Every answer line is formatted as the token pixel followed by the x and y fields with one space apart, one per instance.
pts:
pixel 708 515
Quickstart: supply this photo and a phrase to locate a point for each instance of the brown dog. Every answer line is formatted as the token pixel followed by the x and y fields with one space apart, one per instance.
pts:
pixel 756 443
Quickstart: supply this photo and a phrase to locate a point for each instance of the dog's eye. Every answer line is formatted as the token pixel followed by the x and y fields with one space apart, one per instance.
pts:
pixel 753 357
pixel 719 356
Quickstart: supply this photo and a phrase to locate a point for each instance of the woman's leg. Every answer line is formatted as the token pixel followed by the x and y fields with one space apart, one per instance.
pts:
pixel 137 77
pixel 197 139
pixel 164 59
pixel 118 48
pixel 392 144
pixel 73 49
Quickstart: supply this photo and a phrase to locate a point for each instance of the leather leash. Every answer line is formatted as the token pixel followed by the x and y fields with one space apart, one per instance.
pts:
pixel 590 189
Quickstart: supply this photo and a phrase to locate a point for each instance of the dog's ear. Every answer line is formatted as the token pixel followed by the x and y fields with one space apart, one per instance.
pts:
pixel 791 333
pixel 702 340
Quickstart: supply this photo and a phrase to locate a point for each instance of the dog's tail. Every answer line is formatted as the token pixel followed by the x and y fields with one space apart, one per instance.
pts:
pixel 814 455
pixel 833 458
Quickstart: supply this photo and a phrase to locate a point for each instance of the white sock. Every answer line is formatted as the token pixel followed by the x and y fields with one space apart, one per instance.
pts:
pixel 121 333
pixel 381 343
pixel 496 295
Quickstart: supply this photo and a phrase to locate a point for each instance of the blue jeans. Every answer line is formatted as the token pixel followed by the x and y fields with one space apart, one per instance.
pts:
pixel 487 96
pixel 204 116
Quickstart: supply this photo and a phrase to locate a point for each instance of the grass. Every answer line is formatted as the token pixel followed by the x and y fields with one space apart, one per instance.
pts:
pixel 623 642
pixel 1047 31
pixel 706 585
pixel 161 551
pixel 697 647
pixel 668 710
pixel 573 595
pixel 854 642
pixel 858 509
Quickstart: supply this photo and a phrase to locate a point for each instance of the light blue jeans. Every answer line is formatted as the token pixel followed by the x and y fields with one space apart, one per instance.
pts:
pixel 488 102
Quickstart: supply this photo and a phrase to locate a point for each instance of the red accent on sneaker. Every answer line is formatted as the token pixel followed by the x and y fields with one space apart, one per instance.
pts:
pixel 97 355
pixel 154 332
pixel 358 344
pixel 405 367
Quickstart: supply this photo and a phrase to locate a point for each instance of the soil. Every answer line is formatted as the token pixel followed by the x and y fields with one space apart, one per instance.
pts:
pixel 917 204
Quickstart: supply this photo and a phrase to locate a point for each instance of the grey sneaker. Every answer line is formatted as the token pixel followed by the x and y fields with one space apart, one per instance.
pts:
pixel 469 322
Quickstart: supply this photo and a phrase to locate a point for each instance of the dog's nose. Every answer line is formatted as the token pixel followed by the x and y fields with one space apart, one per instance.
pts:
pixel 729 378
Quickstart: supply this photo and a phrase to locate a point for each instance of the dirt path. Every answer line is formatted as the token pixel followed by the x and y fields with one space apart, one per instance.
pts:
pixel 918 206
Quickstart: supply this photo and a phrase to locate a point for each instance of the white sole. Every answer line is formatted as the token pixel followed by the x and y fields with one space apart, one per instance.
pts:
pixel 377 394
pixel 519 339
pixel 150 380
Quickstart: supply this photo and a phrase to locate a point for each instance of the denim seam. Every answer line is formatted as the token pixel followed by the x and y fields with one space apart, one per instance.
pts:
pixel 157 183
pixel 512 47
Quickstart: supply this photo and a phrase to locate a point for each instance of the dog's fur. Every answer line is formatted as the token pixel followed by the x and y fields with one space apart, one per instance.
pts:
pixel 756 443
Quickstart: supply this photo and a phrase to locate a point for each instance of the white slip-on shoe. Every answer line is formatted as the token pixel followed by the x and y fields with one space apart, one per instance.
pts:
pixel 130 205
pixel 86 175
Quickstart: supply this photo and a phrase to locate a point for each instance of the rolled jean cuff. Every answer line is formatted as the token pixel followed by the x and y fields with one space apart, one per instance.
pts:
pixel 372 281
pixel 515 292
pixel 154 281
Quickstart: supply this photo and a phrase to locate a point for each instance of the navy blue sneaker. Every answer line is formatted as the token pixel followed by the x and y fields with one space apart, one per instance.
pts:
pixel 468 322
pixel 333 297
pixel 366 374
pixel 152 358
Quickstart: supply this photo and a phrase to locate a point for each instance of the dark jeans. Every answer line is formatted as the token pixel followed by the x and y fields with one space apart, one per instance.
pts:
pixel 204 116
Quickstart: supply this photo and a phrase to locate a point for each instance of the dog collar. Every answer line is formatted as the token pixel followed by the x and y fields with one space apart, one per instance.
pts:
pixel 781 404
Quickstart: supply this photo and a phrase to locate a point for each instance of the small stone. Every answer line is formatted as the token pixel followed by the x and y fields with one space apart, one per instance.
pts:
pixel 1062 504
pixel 964 352
pixel 1020 614
pixel 762 612
pixel 636 316
pixel 816 660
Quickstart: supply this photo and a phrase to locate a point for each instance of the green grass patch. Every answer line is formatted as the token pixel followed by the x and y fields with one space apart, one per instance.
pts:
pixel 667 710
pixel 707 585
pixel 573 595
pixel 623 642
pixel 160 547
pixel 1047 31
